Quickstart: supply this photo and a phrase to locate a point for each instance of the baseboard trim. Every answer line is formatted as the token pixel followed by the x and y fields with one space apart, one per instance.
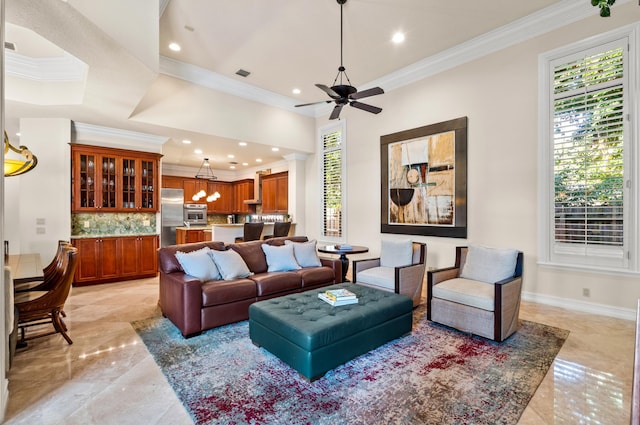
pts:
pixel 4 399
pixel 581 306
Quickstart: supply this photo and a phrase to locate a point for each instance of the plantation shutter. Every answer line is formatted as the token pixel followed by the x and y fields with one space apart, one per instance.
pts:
pixel 588 152
pixel 332 184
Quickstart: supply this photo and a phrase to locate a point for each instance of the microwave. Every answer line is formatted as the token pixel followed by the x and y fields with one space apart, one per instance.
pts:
pixel 195 214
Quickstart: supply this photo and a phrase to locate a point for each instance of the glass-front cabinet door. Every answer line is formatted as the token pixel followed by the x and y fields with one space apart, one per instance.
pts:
pixel 85 182
pixel 147 185
pixel 108 183
pixel 129 183
pixel 114 180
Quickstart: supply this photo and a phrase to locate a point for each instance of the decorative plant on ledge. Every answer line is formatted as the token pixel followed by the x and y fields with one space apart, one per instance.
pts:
pixel 604 5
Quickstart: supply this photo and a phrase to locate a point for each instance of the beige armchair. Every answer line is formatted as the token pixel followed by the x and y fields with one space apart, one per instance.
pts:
pixel 483 306
pixel 392 273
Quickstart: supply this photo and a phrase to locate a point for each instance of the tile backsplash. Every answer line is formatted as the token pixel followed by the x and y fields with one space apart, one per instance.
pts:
pixel 88 224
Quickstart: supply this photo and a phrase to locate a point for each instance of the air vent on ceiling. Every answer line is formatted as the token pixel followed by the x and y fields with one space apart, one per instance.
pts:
pixel 10 46
pixel 242 73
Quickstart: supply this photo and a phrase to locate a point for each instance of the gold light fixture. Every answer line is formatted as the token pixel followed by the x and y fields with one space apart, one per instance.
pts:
pixel 20 161
pixel 205 173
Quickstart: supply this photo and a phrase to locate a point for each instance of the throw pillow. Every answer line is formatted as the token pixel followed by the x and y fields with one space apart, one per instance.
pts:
pixel 280 258
pixel 396 253
pixel 230 264
pixel 489 264
pixel 198 264
pixel 305 253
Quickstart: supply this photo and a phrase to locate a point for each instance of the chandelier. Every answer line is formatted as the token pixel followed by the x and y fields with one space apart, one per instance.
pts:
pixel 205 173
pixel 17 160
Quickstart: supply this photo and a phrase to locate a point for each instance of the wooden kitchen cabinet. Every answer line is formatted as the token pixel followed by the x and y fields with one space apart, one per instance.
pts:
pixel 190 236
pixel 224 204
pixel 275 193
pixel 113 180
pixel 97 260
pixel 139 256
pixel 243 189
pixel 109 259
pixel 192 186
pixel 173 182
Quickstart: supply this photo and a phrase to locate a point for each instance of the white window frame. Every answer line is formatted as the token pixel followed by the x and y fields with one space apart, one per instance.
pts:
pixel 322 131
pixel 550 253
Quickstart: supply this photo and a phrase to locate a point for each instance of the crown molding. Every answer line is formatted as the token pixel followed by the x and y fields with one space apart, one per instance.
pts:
pixel 218 82
pixel 548 19
pixel 116 133
pixel 49 69
pixel 162 6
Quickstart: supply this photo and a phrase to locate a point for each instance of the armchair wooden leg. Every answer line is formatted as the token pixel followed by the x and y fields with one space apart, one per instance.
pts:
pixel 60 326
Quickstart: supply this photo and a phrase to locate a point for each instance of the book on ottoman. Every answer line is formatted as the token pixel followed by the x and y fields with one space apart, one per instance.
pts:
pixel 337 302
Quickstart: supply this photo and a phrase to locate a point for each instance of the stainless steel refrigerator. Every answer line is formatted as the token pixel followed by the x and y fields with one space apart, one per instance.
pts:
pixel 171 201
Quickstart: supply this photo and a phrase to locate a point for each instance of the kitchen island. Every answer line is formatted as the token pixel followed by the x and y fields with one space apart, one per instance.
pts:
pixel 228 233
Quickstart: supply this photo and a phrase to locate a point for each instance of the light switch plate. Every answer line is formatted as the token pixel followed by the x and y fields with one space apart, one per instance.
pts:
pixel 86 224
pixel 146 222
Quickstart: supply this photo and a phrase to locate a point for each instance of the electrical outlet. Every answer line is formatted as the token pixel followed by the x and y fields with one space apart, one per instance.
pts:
pixel 86 224
pixel 146 222
pixel 586 292
pixel 40 221
pixel 40 231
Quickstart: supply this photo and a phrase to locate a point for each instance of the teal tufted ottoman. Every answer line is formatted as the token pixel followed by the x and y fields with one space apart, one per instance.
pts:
pixel 314 337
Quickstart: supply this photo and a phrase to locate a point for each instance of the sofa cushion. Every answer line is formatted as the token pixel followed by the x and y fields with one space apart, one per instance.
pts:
pixel 280 240
pixel 269 284
pixel 305 253
pixel 316 276
pixel 396 253
pixel 378 276
pixel 230 264
pixel 198 264
pixel 280 258
pixel 467 292
pixel 227 291
pixel 489 264
pixel 252 254
pixel 167 261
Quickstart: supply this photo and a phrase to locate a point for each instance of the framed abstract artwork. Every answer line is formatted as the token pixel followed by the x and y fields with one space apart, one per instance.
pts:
pixel 424 180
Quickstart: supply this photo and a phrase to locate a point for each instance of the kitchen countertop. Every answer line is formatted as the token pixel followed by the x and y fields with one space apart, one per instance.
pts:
pixel 111 235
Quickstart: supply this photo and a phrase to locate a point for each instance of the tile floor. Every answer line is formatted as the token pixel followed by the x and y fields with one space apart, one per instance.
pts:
pixel 108 377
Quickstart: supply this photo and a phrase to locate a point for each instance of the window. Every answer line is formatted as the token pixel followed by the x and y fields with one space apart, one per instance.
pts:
pixel 586 201
pixel 332 169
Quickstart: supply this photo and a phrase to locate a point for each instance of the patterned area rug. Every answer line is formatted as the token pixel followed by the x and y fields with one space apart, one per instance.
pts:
pixel 436 375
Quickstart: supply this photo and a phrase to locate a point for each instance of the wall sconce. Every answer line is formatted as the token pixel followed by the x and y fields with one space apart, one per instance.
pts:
pixel 20 161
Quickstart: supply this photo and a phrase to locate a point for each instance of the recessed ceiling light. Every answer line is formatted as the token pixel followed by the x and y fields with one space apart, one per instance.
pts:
pixel 242 143
pixel 175 47
pixel 398 37
pixel 231 156
pixel 296 91
pixel 275 149
pixel 198 151
pixel 233 167
pixel 258 160
pixel 186 142
pixel 245 163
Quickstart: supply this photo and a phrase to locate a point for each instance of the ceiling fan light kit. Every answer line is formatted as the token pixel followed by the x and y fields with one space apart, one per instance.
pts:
pixel 345 94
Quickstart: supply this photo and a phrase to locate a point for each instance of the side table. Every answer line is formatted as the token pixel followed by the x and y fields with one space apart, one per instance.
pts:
pixel 331 249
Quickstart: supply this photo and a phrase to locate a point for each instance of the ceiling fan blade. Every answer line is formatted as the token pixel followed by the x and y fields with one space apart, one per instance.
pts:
pixel 328 91
pixel 314 103
pixel 366 93
pixel 365 107
pixel 336 112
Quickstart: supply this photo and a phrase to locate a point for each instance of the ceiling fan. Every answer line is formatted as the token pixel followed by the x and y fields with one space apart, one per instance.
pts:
pixel 343 94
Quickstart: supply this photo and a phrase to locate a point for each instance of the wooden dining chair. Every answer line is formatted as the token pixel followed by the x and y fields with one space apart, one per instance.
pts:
pixel 42 307
pixel 42 283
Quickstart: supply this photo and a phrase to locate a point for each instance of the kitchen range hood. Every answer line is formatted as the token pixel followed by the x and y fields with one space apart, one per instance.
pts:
pixel 257 189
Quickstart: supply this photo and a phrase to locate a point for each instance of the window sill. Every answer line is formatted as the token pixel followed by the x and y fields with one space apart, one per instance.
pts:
pixel 590 269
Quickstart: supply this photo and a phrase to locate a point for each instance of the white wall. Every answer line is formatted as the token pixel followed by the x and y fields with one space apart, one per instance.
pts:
pixel 499 95
pixel 42 193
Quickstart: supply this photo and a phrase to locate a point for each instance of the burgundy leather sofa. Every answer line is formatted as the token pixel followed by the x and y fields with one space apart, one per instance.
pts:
pixel 195 306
